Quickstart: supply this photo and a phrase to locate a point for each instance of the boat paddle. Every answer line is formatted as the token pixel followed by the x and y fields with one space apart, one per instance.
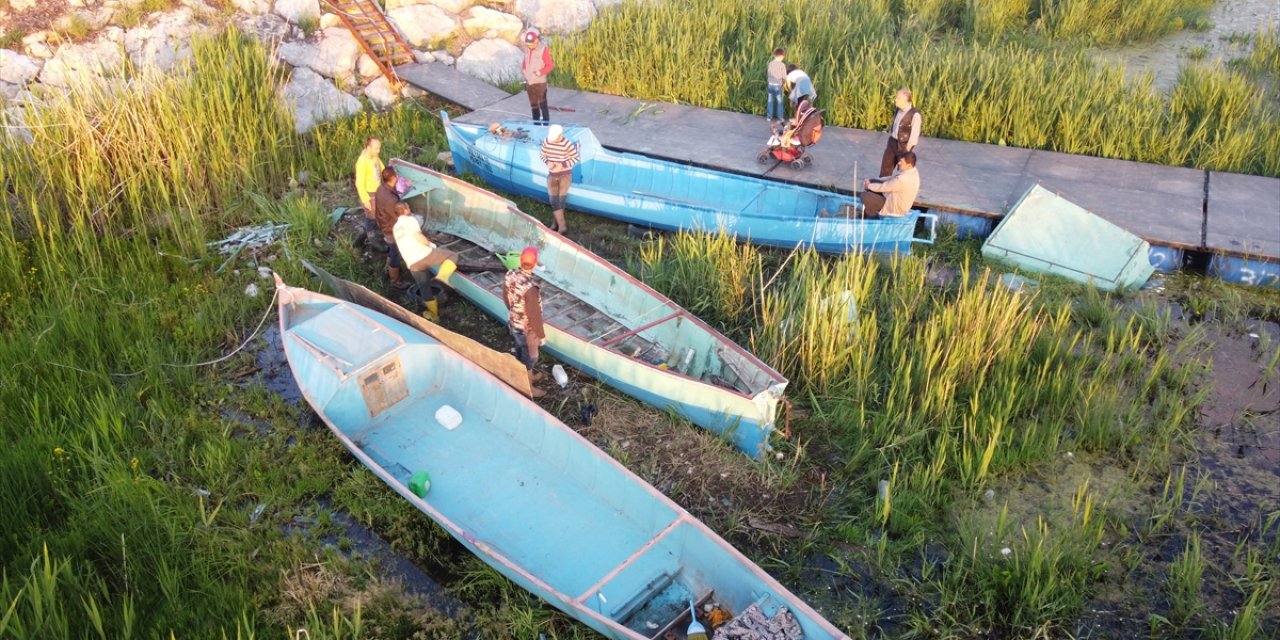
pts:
pixel 696 630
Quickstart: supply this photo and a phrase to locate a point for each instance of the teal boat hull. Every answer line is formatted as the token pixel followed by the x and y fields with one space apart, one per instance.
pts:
pixel 668 195
pixel 602 320
pixel 522 491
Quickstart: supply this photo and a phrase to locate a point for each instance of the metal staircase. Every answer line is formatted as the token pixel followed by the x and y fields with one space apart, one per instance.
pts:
pixel 366 21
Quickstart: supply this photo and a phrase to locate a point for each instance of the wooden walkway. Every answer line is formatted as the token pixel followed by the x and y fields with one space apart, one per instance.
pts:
pixel 1183 208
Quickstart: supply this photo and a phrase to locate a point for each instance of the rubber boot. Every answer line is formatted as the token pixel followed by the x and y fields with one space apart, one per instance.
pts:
pixel 446 270
pixel 431 310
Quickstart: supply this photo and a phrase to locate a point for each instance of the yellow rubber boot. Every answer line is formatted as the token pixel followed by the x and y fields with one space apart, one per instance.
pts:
pixel 446 269
pixel 432 310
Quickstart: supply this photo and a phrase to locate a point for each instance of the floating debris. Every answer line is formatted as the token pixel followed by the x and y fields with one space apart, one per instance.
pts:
pixel 253 238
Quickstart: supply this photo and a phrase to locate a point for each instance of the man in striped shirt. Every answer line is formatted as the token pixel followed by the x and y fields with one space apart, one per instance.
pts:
pixel 560 155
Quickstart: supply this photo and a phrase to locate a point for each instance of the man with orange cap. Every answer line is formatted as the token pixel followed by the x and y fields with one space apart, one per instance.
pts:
pixel 536 66
pixel 524 317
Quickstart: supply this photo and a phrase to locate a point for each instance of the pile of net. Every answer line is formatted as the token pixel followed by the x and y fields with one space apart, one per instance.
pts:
pixel 752 624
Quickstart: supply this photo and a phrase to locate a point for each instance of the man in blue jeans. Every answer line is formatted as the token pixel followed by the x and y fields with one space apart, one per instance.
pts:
pixel 524 315
pixel 777 75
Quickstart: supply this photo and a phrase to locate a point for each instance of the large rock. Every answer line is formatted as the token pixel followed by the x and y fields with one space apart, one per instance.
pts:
pixel 299 11
pixel 313 100
pixel 333 56
pixel 9 91
pixel 453 6
pixel 492 60
pixel 252 7
pixel 16 68
pixel 424 25
pixel 557 16
pixel 267 28
pixel 85 61
pixel 165 42
pixel 483 22
pixel 380 93
pixel 366 68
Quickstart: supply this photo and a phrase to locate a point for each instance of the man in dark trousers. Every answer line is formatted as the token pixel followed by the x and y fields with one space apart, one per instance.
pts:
pixel 385 200
pixel 904 133
pixel 536 66
pixel 891 196
pixel 524 314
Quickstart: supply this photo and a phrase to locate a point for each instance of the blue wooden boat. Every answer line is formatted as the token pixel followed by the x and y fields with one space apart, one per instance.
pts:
pixel 531 497
pixel 600 319
pixel 673 196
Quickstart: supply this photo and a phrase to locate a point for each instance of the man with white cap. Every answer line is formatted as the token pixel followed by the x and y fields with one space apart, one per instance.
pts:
pixel 559 154
pixel 536 66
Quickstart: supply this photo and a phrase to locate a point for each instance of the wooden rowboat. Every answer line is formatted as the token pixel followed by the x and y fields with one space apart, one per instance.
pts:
pixel 531 497
pixel 668 195
pixel 602 320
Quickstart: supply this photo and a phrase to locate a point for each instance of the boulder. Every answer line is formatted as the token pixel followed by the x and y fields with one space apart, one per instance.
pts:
pixel 252 7
pixel 366 68
pixel 267 28
pixel 379 92
pixel 299 11
pixel 426 57
pixel 330 20
pixel 9 91
pixel 396 4
pixel 492 60
pixel 165 42
pixel 424 25
pixel 557 16
pixel 333 56
pixel 313 99
pixel 453 6
pixel 17 69
pixel 443 56
pixel 82 61
pixel 483 22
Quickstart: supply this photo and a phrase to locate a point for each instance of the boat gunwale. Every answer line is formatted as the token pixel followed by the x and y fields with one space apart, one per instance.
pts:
pixel 719 338
pixel 549 421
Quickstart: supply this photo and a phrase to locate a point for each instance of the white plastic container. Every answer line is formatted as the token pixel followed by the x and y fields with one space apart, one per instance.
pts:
pixel 448 417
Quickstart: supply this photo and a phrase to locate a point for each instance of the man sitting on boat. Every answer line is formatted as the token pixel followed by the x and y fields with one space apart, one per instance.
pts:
pixel 524 318
pixel 892 196
pixel 420 254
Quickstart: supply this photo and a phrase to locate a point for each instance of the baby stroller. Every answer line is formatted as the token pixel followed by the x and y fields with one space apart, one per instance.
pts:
pixel 790 142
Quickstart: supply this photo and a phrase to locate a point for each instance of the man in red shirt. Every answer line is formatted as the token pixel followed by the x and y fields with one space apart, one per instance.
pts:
pixel 536 66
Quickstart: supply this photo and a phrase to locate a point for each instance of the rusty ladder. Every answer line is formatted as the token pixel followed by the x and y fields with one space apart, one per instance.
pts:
pixel 366 21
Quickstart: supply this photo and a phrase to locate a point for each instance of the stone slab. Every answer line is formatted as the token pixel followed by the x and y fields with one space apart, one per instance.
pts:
pixel 1163 205
pixel 452 85
pixel 1243 215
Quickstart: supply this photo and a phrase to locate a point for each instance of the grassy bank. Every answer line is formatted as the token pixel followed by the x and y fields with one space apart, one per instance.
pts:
pixel 1020 85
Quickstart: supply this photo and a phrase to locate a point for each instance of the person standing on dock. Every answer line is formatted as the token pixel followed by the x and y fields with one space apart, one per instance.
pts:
pixel 777 75
pixel 524 314
pixel 385 200
pixel 560 155
pixel 368 176
pixel 800 84
pixel 904 133
pixel 536 66
pixel 891 196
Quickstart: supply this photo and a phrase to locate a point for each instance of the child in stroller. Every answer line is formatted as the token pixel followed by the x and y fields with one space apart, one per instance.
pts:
pixel 790 141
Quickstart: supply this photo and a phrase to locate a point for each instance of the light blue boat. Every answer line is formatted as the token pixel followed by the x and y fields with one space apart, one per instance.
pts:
pixel 531 497
pixel 673 196
pixel 600 319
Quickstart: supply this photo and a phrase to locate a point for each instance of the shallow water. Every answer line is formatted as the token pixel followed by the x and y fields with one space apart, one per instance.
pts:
pixel 1163 57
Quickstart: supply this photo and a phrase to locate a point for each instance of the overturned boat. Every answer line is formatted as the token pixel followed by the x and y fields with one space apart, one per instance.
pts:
pixel 599 318
pixel 531 497
pixel 677 197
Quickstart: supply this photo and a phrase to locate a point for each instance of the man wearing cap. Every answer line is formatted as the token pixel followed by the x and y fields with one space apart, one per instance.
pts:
pixel 524 315
pixel 536 66
pixel 560 155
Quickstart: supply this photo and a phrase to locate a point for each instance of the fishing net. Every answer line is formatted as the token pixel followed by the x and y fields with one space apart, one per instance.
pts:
pixel 752 624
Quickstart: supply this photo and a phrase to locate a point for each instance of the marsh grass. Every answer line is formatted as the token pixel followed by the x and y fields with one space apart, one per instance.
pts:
pixel 991 89
pixel 1186 574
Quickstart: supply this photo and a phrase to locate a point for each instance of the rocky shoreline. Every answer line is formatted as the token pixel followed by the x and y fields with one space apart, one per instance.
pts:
pixel 330 71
